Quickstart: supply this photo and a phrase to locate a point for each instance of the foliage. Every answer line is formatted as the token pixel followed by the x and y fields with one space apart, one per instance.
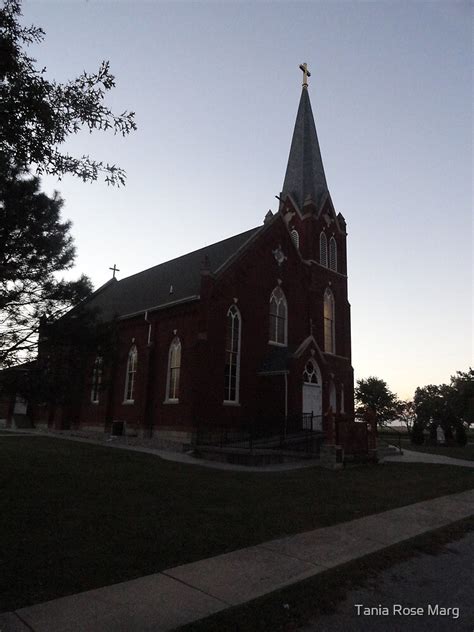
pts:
pixel 407 414
pixel 35 245
pixel 38 115
pixel 448 405
pixel 417 434
pixel 463 397
pixel 66 349
pixel 374 393
pixel 461 434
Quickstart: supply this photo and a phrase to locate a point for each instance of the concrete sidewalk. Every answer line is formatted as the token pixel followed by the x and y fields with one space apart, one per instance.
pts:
pixel 167 455
pixel 413 456
pixel 180 595
pixel 408 456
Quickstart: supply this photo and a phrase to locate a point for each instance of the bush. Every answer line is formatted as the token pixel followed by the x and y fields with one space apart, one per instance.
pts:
pixel 461 435
pixel 417 434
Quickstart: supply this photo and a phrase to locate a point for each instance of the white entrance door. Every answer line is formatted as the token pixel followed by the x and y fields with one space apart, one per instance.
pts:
pixel 20 406
pixel 312 397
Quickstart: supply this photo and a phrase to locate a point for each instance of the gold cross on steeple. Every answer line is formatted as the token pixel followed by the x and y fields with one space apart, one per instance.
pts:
pixel 306 74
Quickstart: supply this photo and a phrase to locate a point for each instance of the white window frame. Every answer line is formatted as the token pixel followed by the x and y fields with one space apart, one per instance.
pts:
pixel 323 249
pixel 234 313
pixel 315 372
pixel 329 297
pixel 280 299
pixel 96 380
pixel 130 375
pixel 295 236
pixel 333 254
pixel 171 397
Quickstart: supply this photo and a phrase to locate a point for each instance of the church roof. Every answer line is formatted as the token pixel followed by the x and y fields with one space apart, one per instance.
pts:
pixel 169 282
pixel 305 172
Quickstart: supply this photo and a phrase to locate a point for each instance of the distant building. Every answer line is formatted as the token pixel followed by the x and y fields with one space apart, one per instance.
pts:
pixel 254 326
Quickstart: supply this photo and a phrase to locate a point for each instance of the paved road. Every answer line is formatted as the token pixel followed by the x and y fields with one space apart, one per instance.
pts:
pixel 444 580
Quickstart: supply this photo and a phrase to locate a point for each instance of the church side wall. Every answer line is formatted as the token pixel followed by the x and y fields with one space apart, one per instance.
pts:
pixel 201 328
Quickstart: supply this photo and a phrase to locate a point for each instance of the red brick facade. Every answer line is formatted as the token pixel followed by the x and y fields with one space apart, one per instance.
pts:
pixel 284 253
pixel 247 282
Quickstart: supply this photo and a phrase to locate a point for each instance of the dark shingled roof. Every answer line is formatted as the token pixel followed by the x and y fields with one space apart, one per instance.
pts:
pixel 151 288
pixel 305 172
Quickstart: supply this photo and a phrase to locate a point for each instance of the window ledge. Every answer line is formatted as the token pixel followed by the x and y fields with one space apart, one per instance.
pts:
pixel 171 401
pixel 227 402
pixel 94 402
pixel 128 402
pixel 277 344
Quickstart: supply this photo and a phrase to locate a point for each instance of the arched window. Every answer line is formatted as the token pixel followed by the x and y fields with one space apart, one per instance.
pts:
pixel 295 237
pixel 131 373
pixel 174 368
pixel 332 397
pixel 342 404
pixel 323 249
pixel 232 355
pixel 96 380
pixel 333 254
pixel 329 341
pixel 310 373
pixel 278 317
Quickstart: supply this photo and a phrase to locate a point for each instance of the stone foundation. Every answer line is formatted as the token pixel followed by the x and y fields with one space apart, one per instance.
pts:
pixel 331 456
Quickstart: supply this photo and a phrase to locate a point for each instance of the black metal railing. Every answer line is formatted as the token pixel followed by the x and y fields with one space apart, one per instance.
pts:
pixel 295 432
pixel 391 437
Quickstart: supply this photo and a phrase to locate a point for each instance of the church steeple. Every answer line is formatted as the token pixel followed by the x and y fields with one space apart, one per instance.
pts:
pixel 304 178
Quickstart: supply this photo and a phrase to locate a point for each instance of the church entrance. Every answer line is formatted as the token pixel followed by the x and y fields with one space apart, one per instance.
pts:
pixel 312 395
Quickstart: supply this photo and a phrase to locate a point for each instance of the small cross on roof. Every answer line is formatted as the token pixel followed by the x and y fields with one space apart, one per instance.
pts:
pixel 114 270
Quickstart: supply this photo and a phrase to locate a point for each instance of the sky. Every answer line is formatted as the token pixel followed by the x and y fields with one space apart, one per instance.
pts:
pixel 216 86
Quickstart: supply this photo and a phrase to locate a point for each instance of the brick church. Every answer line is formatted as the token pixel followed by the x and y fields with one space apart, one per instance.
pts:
pixel 254 326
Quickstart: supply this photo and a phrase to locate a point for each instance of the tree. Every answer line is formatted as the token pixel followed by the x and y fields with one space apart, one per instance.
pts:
pixel 417 434
pixel 374 393
pixel 407 414
pixel 428 405
pixel 37 115
pixel 34 247
pixel 442 405
pixel 463 394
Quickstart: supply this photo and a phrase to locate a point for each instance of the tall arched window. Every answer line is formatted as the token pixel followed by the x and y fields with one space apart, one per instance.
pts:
pixel 96 380
pixel 333 254
pixel 329 338
pixel 174 368
pixel 232 355
pixel 131 373
pixel 332 396
pixel 323 249
pixel 278 317
pixel 342 404
pixel 295 237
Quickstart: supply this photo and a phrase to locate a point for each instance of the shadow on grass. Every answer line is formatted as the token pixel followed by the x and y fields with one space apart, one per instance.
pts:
pixel 81 516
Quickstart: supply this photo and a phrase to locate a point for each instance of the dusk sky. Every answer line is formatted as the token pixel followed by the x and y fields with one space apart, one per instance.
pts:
pixel 215 88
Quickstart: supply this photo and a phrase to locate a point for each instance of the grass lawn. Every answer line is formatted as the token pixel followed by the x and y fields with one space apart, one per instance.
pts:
pixel 77 516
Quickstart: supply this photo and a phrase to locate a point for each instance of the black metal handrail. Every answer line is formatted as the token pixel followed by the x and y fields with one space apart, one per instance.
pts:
pixel 271 433
pixel 381 436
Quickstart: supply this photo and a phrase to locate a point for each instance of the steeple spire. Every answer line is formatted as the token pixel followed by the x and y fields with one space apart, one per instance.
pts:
pixel 305 179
